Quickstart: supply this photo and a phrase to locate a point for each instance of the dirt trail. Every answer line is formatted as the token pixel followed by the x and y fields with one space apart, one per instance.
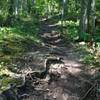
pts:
pixel 73 80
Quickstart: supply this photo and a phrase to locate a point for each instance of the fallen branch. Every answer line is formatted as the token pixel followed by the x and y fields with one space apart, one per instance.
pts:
pixel 93 86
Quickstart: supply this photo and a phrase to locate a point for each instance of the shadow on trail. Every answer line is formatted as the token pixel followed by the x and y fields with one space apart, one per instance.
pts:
pixel 73 81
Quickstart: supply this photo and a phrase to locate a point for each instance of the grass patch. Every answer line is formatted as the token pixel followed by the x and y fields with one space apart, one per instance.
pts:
pixel 18 39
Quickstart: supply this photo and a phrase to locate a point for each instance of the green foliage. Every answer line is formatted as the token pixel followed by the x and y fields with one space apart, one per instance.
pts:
pixel 92 57
pixel 86 37
pixel 96 36
pixel 16 40
pixel 74 7
pixel 98 8
pixel 89 59
pixel 71 30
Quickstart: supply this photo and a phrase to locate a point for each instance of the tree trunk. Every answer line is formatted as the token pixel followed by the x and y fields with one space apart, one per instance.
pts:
pixel 83 19
pixel 91 20
pixel 64 13
pixel 93 17
pixel 10 13
pixel 29 6
pixel 17 8
pixel 87 19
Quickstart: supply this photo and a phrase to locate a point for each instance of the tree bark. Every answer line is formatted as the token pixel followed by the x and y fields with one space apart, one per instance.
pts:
pixel 83 18
pixel 17 8
pixel 10 13
pixel 93 17
pixel 87 18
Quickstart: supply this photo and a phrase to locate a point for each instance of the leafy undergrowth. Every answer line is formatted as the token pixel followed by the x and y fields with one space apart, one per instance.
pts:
pixel 91 54
pixel 16 40
pixel 71 30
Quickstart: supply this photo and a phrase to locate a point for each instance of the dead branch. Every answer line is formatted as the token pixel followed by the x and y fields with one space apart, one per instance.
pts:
pixel 90 89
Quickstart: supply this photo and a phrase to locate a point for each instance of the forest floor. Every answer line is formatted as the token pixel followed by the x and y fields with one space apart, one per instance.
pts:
pixel 73 82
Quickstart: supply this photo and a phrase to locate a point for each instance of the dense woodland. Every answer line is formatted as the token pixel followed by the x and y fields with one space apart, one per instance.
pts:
pixel 49 49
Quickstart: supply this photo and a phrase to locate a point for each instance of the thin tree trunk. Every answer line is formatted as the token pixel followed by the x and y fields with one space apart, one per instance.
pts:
pixel 83 18
pixel 93 17
pixel 91 22
pixel 33 1
pixel 17 8
pixel 10 13
pixel 63 14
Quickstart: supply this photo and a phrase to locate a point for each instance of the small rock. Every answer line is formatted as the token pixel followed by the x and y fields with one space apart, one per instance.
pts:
pixel 63 76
